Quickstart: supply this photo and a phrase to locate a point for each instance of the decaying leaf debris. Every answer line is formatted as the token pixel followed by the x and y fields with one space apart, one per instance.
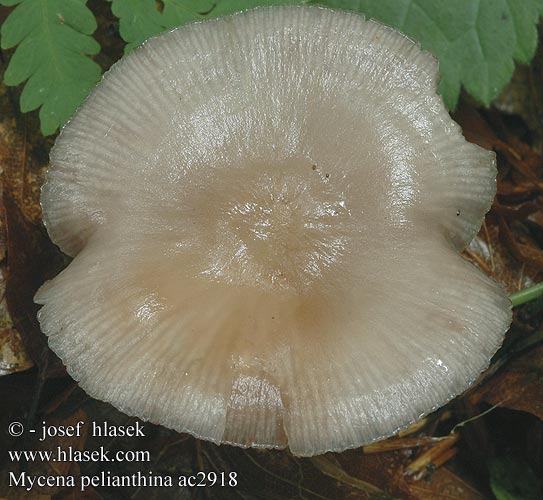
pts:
pixel 507 248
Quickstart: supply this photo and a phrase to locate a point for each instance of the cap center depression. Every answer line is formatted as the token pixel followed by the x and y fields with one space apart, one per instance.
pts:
pixel 284 227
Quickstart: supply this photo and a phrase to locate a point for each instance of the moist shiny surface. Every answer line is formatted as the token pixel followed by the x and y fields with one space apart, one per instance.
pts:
pixel 265 213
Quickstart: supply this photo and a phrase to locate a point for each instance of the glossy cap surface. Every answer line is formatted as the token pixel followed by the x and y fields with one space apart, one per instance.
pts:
pixel 265 213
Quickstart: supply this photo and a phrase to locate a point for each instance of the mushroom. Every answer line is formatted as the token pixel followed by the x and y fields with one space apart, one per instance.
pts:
pixel 265 213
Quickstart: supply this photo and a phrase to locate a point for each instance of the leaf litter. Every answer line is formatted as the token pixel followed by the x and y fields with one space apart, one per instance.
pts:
pixel 426 463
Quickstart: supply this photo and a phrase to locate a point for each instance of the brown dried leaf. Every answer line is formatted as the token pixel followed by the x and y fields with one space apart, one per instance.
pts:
pixel 387 471
pixel 474 127
pixel 444 485
pixel 488 252
pixel 330 467
pixel 523 95
pixel 32 259
pixel 3 232
pixel 519 385
pixel 24 155
pixel 516 190
pixel 516 212
pixel 497 252
pixel 490 131
pixel 13 356
pixel 528 254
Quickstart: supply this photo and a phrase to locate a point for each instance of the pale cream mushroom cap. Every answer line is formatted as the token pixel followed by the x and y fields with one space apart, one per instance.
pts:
pixel 265 212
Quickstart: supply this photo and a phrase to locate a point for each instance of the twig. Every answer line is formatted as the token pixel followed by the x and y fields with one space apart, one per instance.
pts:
pixel 401 443
pixel 430 456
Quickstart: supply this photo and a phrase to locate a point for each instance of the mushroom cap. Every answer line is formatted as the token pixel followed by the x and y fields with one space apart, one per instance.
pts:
pixel 265 213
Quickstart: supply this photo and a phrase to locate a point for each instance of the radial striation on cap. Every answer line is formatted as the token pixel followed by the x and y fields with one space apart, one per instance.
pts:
pixel 265 213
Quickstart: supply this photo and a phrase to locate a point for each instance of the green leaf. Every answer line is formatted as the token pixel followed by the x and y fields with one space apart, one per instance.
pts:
pixel 513 479
pixel 474 40
pixel 52 39
pixel 525 28
pixel 178 12
pixel 141 19
pixel 138 20
pixel 225 7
